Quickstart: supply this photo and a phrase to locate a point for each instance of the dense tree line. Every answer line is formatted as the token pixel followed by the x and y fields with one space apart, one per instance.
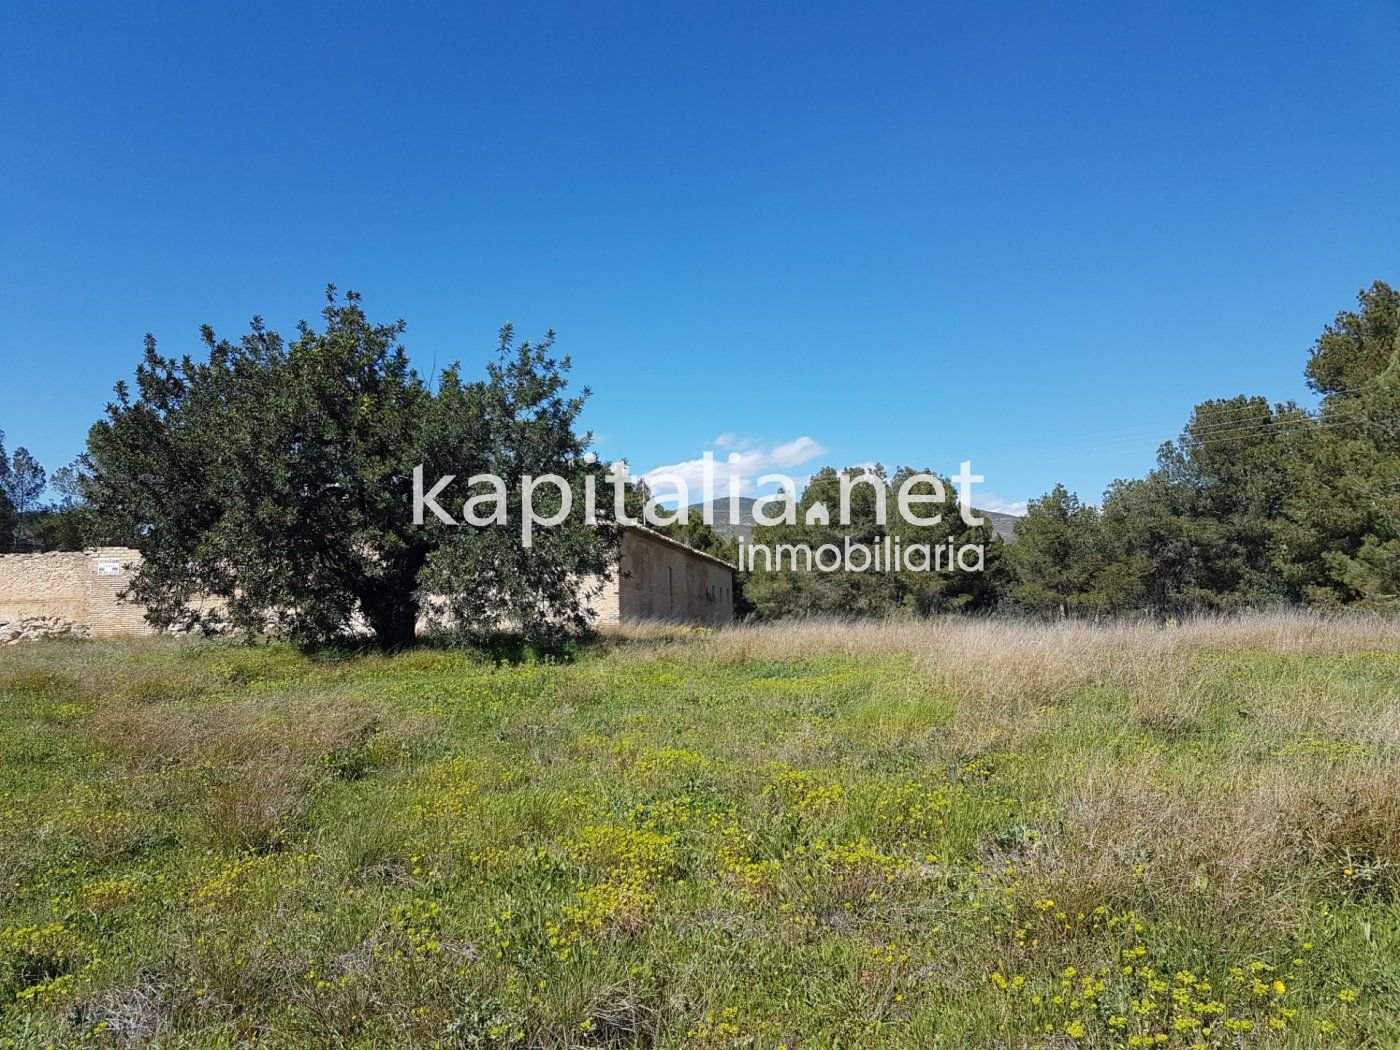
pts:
pixel 1253 504
pixel 920 590
pixel 275 475
pixel 29 521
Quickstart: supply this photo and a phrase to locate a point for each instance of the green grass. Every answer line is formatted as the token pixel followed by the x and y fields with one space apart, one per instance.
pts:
pixel 965 835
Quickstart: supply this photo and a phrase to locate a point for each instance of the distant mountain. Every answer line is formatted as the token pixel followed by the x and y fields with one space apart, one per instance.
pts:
pixel 1004 525
pixel 741 527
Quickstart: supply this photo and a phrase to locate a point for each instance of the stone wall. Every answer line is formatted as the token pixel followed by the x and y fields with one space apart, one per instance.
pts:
pixel 657 579
pixel 606 606
pixel 661 579
pixel 81 587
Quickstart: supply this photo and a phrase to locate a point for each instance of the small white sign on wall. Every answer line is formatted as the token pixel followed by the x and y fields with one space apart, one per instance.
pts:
pixel 109 566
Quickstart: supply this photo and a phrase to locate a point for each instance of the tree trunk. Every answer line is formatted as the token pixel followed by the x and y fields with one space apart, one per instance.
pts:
pixel 394 621
pixel 388 604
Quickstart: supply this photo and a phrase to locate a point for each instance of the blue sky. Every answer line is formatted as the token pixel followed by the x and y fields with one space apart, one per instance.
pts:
pixel 1029 235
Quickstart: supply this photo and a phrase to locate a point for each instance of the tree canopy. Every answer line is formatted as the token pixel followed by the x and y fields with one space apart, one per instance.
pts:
pixel 1253 503
pixel 782 591
pixel 22 484
pixel 277 477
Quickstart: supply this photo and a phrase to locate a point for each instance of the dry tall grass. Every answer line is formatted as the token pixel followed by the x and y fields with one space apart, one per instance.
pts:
pixel 901 834
pixel 1293 631
pixel 1007 666
pixel 1008 681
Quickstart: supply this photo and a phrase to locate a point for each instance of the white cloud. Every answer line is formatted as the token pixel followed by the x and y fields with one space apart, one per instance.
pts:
pixel 988 501
pixel 746 463
pixel 795 453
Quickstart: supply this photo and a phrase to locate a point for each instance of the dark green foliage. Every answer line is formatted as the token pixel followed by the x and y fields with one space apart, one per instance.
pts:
pixel 1357 349
pixel 69 522
pixel 24 481
pixel 1252 505
pixel 28 525
pixel 7 508
pixel 1067 560
pixel 785 592
pixel 518 424
pixel 278 478
pixel 1344 509
pixel 22 484
pixel 1207 518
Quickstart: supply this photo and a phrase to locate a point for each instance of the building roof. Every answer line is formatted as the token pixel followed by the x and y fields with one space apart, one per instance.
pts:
pixel 661 537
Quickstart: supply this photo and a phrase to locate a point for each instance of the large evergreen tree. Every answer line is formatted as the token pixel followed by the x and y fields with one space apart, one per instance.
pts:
pixel 277 478
pixel 1062 563
pixel 1208 518
pixel 1344 507
pixel 7 508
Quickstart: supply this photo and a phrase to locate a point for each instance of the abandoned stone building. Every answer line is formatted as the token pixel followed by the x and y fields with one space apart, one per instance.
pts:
pixel 657 578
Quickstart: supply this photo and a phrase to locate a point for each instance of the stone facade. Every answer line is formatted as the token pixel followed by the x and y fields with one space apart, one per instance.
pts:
pixel 657 579
pixel 78 587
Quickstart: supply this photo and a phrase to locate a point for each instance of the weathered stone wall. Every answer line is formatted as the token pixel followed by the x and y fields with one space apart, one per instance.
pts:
pixel 661 579
pixel 657 579
pixel 606 606
pixel 78 586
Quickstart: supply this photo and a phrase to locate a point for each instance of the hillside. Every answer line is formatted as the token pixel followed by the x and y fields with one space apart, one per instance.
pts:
pixel 742 525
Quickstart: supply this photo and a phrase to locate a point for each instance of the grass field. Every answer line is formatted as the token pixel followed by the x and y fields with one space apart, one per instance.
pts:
pixel 960 834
